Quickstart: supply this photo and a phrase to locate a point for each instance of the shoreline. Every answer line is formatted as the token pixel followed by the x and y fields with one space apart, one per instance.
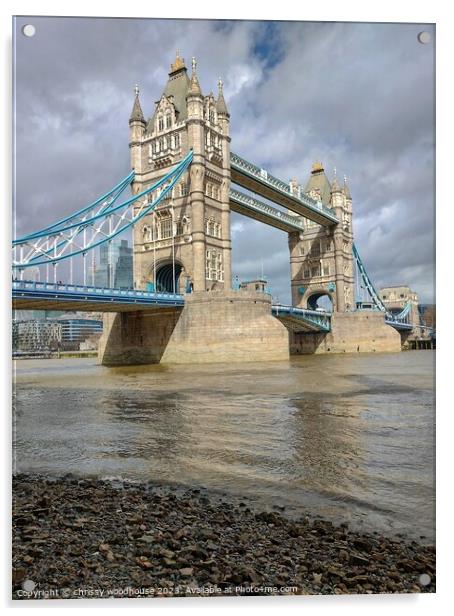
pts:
pixel 85 538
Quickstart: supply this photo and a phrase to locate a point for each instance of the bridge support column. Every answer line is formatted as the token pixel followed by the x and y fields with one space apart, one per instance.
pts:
pixel 220 326
pixel 351 332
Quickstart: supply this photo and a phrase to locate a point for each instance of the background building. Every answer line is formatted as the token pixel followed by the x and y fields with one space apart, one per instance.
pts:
pixel 59 332
pixel 74 331
pixel 35 335
pixel 115 265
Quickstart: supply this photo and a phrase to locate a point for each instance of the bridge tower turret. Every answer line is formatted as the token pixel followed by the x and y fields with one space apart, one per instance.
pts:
pixel 185 243
pixel 196 139
pixel 136 131
pixel 322 258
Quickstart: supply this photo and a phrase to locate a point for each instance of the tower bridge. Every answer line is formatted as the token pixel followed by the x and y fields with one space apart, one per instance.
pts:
pixel 182 307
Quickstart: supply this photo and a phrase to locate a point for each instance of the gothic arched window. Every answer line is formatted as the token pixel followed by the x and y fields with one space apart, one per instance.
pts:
pixel 160 123
pixel 168 120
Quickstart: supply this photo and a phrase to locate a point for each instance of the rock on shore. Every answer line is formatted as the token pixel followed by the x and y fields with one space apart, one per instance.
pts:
pixel 84 538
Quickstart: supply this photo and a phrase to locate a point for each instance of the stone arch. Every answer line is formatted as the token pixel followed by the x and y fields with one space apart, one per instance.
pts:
pixel 312 297
pixel 164 277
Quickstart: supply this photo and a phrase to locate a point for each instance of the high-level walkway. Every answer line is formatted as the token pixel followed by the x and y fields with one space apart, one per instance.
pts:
pixel 259 181
pixel 264 212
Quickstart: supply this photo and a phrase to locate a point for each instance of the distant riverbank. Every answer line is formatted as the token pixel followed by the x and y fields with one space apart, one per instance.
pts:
pixel 54 354
pixel 85 538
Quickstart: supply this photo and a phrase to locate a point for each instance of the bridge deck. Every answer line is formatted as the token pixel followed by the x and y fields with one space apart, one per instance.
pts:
pixel 29 295
pixel 263 212
pixel 258 180
pixel 302 320
pixel 49 296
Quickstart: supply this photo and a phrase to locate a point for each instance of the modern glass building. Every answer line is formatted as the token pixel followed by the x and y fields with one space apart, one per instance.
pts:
pixel 75 330
pixel 115 267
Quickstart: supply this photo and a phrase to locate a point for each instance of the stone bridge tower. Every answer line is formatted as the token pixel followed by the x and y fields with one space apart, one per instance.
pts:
pixel 321 259
pixel 185 243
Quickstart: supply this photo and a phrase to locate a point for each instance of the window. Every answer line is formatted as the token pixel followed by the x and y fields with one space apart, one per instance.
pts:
pixel 183 189
pixel 154 147
pixel 177 140
pixel 211 116
pixel 307 273
pixel 160 123
pixel 214 265
pixel 212 227
pixel 168 120
pixel 326 269
pixel 166 228
pixel 315 248
pixel 315 270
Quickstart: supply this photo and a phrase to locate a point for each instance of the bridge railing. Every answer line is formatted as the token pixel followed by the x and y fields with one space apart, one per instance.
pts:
pixel 316 317
pixel 29 285
pixel 263 176
pixel 260 206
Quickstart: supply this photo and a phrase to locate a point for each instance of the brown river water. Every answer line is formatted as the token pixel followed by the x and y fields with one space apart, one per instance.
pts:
pixel 347 437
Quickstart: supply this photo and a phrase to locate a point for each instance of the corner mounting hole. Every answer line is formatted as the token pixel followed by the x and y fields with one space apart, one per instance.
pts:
pixel 29 30
pixel 424 37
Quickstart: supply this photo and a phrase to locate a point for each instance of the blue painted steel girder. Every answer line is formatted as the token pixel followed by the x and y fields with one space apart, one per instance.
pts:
pixel 50 296
pixel 308 320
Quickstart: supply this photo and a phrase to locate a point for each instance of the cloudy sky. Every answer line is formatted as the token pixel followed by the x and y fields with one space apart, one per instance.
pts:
pixel 359 97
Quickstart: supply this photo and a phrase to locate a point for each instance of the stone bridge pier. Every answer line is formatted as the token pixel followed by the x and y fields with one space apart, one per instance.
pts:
pixel 213 327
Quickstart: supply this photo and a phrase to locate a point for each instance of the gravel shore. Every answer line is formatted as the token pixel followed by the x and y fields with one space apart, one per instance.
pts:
pixel 85 538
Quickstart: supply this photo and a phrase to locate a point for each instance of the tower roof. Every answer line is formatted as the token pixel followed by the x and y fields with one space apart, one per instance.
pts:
pixel 320 183
pixel 178 65
pixel 177 87
pixel 136 113
pixel 221 107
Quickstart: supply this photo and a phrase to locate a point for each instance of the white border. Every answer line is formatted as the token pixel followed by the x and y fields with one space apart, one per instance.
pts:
pixel 329 10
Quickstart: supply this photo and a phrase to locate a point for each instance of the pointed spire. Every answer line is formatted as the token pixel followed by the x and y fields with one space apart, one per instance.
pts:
pixel 194 87
pixel 335 184
pixel 136 113
pixel 346 189
pixel 221 107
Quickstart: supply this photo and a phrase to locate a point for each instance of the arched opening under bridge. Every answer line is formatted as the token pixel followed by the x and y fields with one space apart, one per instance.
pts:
pixel 320 301
pixel 165 282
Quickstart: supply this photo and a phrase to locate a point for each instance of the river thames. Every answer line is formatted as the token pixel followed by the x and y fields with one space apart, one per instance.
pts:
pixel 350 438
